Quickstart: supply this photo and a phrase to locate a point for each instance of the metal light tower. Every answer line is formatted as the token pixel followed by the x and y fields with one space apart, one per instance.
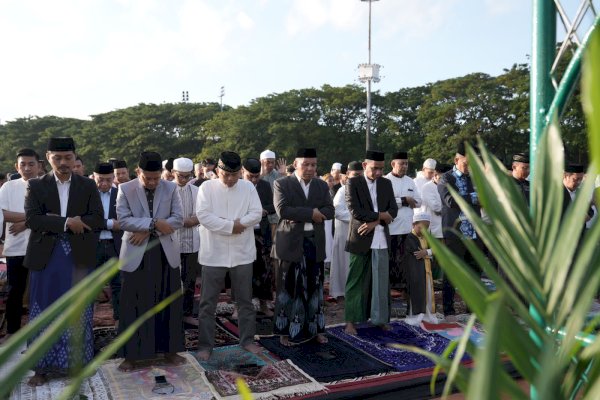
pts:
pixel 368 73
pixel 221 96
pixel 185 96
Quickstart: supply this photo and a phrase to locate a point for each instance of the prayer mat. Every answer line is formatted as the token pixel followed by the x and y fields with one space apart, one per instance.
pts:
pixel 185 380
pixel 264 324
pixel 333 361
pixel 94 388
pixel 236 359
pixel 222 338
pixel 454 331
pixel 274 381
pixel 103 337
pixel 379 344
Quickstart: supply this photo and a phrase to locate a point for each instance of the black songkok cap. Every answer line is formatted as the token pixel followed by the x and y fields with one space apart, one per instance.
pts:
pixel 150 161
pixel 344 169
pixel 375 155
pixel 521 157
pixel 169 164
pixel 400 155
pixel 61 144
pixel 230 161
pixel 306 153
pixel 103 168
pixel 355 166
pixel 252 165
pixel 575 169
pixel 462 149
pixel 208 161
pixel 441 168
pixel 119 164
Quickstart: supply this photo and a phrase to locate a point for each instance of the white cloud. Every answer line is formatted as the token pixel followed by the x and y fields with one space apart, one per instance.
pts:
pixel 496 7
pixel 412 18
pixel 244 21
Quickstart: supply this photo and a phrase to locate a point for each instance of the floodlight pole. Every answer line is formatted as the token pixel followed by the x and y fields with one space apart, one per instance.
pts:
pixel 369 73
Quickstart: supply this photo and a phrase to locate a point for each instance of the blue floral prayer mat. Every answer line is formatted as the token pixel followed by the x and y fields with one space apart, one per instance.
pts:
pixel 333 361
pixel 379 344
pixel 236 359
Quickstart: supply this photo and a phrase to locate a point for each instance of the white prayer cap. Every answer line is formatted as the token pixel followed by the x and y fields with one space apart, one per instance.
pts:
pixel 267 154
pixel 183 165
pixel 164 164
pixel 337 166
pixel 421 217
pixel 430 163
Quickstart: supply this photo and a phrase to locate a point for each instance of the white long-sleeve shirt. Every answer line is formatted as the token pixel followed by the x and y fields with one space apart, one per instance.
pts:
pixel 432 205
pixel 403 187
pixel 217 207
pixel 339 202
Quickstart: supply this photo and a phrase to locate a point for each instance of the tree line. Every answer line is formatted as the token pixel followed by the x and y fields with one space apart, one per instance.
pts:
pixel 427 121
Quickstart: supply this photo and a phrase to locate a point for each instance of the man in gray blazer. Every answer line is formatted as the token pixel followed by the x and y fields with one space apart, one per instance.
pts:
pixel 149 211
pixel 303 203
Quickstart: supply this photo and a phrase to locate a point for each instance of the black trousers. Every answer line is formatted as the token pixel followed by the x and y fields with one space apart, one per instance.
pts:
pixel 190 270
pixel 17 282
pixel 104 252
pixel 455 244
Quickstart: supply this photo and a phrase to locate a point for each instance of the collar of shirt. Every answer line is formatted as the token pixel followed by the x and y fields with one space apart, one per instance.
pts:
pixel 58 181
pixel 302 183
pixel 457 172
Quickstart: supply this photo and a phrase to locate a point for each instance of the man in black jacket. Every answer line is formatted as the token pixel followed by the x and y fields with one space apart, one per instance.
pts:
pixel 303 203
pixel 262 274
pixel 64 212
pixel 454 222
pixel 372 206
pixel 109 242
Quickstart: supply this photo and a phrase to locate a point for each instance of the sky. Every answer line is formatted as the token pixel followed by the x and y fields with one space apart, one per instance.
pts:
pixel 76 58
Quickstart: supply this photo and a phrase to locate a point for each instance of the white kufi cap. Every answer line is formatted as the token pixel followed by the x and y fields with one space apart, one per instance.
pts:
pixel 267 154
pixel 183 165
pixel 337 166
pixel 430 163
pixel 421 217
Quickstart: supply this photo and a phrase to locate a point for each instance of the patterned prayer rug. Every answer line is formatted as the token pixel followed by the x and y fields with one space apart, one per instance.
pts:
pixel 234 358
pixel 379 344
pixel 274 381
pixel 454 331
pixel 333 361
pixel 93 388
pixel 186 380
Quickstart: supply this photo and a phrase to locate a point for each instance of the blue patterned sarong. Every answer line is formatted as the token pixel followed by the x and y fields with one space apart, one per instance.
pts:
pixel 45 287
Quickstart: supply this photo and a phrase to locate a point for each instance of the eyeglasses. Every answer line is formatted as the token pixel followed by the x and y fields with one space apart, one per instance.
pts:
pixel 187 176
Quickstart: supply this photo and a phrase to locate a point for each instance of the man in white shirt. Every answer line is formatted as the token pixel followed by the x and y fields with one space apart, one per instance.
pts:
pixel 187 236
pixel 426 174
pixel 340 258
pixel 431 202
pixel 12 201
pixel 407 198
pixel 228 208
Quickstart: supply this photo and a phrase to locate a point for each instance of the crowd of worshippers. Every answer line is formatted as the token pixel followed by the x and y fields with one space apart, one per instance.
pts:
pixel 262 227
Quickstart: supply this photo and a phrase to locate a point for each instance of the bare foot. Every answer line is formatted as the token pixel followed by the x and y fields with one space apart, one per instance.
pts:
pixel 235 313
pixel 174 359
pixel 321 338
pixel 350 329
pixel 264 308
pixel 8 335
pixel 203 355
pixel 252 348
pixel 385 327
pixel 285 341
pixel 127 366
pixel 37 380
